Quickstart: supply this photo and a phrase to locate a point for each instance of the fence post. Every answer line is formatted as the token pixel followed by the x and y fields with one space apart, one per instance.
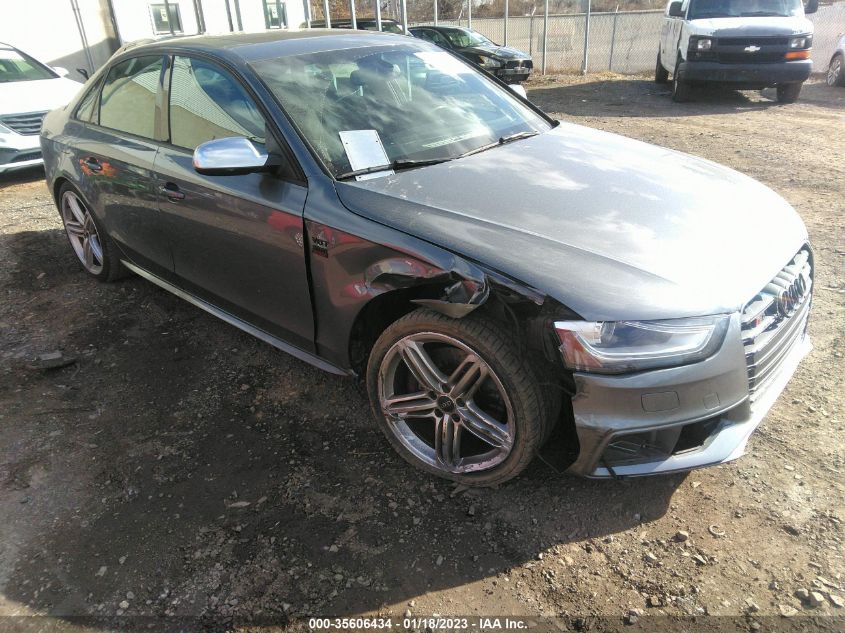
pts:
pixel 469 14
pixel 545 33
pixel 378 15
pixel 307 13
pixel 586 39
pixel 435 12
pixel 612 40
pixel 506 22
pixel 352 14
pixel 326 14
pixel 404 17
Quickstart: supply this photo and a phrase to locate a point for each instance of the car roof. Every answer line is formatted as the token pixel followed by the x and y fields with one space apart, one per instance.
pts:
pixel 251 47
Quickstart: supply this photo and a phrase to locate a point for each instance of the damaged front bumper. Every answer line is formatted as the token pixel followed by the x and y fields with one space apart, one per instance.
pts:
pixel 680 418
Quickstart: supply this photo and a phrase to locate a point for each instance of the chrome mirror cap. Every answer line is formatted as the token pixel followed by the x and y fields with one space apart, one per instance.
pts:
pixel 229 157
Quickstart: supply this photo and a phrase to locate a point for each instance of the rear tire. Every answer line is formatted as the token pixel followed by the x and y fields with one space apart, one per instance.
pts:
pixel 97 254
pixel 836 71
pixel 681 89
pixel 661 75
pixel 788 93
pixel 457 398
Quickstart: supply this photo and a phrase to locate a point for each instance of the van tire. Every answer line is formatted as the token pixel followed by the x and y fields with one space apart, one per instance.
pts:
pixel 788 93
pixel 661 75
pixel 681 89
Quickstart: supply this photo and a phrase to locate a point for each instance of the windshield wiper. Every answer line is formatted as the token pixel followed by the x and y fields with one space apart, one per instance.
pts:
pixel 502 141
pixel 761 14
pixel 397 165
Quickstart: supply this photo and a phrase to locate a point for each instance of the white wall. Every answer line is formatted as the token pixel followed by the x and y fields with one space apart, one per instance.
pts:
pixel 48 31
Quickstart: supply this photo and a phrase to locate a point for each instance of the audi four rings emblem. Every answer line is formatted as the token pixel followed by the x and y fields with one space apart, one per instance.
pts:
pixel 789 299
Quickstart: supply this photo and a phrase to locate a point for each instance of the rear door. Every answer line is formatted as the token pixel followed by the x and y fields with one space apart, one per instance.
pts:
pixel 237 240
pixel 115 153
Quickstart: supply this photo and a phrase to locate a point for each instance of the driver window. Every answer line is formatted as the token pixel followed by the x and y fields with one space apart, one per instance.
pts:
pixel 207 103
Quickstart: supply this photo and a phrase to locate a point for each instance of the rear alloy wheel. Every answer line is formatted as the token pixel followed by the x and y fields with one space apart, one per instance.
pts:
pixel 681 89
pixel 661 75
pixel 456 398
pixel 788 93
pixel 836 72
pixel 89 243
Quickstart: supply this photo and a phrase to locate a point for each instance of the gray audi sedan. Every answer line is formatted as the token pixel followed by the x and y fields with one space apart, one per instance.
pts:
pixel 501 281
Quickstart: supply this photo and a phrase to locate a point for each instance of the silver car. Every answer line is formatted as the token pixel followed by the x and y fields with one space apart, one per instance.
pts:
pixel 504 283
pixel 836 68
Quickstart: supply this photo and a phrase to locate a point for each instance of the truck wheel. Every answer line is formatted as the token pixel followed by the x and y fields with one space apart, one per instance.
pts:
pixel 836 72
pixel 457 398
pixel 788 93
pixel 680 89
pixel 661 75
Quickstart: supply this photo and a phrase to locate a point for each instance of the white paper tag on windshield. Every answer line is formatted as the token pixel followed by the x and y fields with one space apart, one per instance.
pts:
pixel 364 150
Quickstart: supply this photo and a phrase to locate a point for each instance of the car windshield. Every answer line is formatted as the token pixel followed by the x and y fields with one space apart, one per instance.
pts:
pixel 702 9
pixel 15 66
pixel 464 38
pixel 418 103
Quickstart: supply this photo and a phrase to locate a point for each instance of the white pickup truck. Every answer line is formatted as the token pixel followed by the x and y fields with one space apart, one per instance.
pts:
pixel 746 44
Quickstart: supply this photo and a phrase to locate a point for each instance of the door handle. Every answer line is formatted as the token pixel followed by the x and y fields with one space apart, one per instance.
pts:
pixel 171 190
pixel 93 164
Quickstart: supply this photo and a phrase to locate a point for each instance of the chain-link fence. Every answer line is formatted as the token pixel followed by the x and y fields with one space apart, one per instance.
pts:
pixel 623 42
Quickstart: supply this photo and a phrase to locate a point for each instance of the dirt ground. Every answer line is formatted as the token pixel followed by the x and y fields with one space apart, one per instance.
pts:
pixel 179 467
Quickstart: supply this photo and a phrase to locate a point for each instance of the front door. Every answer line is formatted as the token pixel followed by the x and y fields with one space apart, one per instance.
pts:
pixel 237 241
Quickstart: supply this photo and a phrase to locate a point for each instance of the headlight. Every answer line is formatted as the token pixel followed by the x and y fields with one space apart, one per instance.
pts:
pixel 489 62
pixel 704 44
pixel 803 41
pixel 627 346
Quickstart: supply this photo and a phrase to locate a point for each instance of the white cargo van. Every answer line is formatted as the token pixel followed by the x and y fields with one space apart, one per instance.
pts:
pixel 747 44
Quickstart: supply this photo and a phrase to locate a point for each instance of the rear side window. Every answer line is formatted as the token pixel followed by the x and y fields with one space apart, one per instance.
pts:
pixel 128 100
pixel 207 103
pixel 87 109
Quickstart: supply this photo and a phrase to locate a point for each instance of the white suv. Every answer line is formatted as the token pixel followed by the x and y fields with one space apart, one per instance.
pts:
pixel 746 44
pixel 28 90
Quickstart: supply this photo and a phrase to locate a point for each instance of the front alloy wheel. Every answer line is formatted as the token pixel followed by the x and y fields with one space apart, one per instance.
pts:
pixel 456 399
pixel 836 72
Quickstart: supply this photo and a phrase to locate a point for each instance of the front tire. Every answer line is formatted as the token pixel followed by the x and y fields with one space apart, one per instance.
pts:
pixel 788 93
pixel 836 72
pixel 661 75
pixel 90 243
pixel 681 89
pixel 457 398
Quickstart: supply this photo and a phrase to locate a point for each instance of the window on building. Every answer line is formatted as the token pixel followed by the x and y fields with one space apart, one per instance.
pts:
pixel 165 21
pixel 207 103
pixel 128 100
pixel 275 14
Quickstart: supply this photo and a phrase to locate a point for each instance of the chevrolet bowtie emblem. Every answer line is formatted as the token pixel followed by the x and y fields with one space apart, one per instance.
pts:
pixel 752 49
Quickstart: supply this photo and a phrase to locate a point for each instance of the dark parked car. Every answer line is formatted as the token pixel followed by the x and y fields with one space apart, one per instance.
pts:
pixel 508 64
pixel 363 24
pixel 378 207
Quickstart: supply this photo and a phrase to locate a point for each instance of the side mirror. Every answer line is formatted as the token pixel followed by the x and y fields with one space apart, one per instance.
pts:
pixel 676 9
pixel 811 7
pixel 61 72
pixel 231 157
pixel 519 89
pixel 84 73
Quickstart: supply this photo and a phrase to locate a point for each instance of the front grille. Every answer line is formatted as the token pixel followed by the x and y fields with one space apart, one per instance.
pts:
pixel 749 58
pixel 520 63
pixel 775 319
pixel 752 41
pixel 27 124
pixel 20 158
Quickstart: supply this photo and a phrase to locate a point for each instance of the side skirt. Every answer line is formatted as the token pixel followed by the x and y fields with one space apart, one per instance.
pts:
pixel 278 343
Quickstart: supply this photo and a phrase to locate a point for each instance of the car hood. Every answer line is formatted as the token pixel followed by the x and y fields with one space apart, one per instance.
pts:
pixel 36 96
pixel 611 227
pixel 502 52
pixel 751 27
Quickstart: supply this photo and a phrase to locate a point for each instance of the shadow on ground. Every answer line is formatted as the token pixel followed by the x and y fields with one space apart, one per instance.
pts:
pixel 30 174
pixel 644 98
pixel 187 469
